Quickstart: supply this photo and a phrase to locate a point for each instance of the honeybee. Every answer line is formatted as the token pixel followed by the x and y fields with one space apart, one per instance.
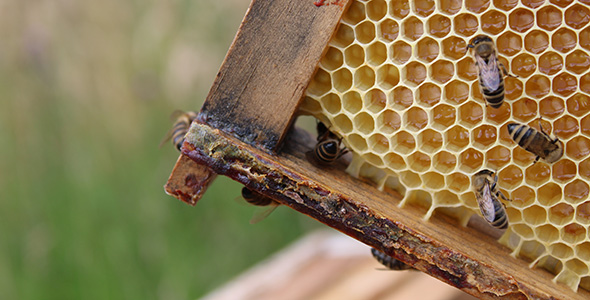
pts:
pixel 258 199
pixel 390 262
pixel 180 128
pixel 486 190
pixel 491 71
pixel 327 150
pixel 538 143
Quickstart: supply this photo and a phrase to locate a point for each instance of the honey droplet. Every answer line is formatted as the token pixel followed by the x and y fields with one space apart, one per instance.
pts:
pixel 471 160
pixel 457 137
pixel 485 135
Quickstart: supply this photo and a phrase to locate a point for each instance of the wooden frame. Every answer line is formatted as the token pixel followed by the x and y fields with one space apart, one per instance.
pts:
pixel 248 114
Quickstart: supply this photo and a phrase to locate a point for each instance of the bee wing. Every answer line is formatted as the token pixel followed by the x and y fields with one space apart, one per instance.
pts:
pixel 485 202
pixel 262 212
pixel 489 72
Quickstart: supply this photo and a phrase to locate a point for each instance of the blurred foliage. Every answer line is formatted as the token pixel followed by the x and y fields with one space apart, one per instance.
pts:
pixel 86 89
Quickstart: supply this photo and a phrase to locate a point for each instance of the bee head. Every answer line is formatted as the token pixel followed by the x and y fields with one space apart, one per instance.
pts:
pixel 481 177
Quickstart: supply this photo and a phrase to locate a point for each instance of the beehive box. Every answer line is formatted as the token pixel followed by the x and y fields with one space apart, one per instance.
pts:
pixel 399 86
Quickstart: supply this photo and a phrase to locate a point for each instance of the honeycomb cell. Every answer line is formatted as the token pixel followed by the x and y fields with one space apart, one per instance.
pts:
pixel 365 32
pixel 331 103
pixel 549 194
pixel 374 160
pixel 537 86
pixel 585 38
pixel 521 20
pixel 412 28
pixel 551 107
pixel 402 52
pixel 585 83
pixel 438 26
pixel 500 115
pixel 493 22
pixel 427 49
pixel 358 143
pixel 403 142
pixel 333 59
pixel 423 8
pixel 402 98
pixel 419 161
pixel 355 13
pixel 577 16
pixel 465 24
pixel 583 212
pixel 434 181
pixel 344 36
pixel 471 160
pixel 537 174
pixel 415 119
pixel 578 148
pixel 470 114
pixel 547 233
pixel 564 40
pixel 415 73
pixel 343 123
pixel 311 105
pixel 379 143
pixel 376 9
pixel 583 251
pixel 550 63
pixel 352 102
pixel 430 140
pixel 522 197
pixel 399 9
pixel 549 18
pixel 561 213
pixel 484 136
pixel 457 138
pixel 498 157
pixel 585 124
pixel 364 123
pixel 511 176
pixel 388 122
pixel 566 127
pixel 394 161
pixel 514 215
pixel 321 83
pixel 364 78
pixel 456 92
pixel 458 182
pixel 524 65
pixel 576 191
pixel 450 7
pixel 577 62
pixel 573 233
pixel 354 56
pixel 387 76
pixel 505 5
pixel 578 104
pixel 389 30
pixel 342 80
pixel 375 100
pixel 524 110
pixel 533 3
pixel 477 6
pixel 509 43
pixel 376 54
pixel 445 162
pixel 428 94
pixel 443 116
pixel 561 3
pixel 522 157
pixel 513 88
pixel 454 48
pixel 564 170
pixel 411 180
pixel 524 231
pixel 534 215
pixel 442 71
pixel 536 41
pixel 564 84
pixel 466 69
pixel 561 250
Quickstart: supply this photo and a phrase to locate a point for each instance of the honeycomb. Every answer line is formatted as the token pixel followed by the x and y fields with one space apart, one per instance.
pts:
pixel 400 88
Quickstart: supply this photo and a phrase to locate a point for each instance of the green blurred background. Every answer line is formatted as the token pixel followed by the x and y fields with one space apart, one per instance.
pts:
pixel 86 91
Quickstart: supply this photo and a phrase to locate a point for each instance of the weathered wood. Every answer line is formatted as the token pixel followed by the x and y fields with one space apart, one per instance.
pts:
pixel 462 257
pixel 268 67
pixel 189 180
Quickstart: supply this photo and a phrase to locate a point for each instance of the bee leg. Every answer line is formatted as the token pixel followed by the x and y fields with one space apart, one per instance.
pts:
pixel 505 72
pixel 553 141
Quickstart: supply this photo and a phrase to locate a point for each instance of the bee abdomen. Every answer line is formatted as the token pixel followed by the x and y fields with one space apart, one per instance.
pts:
pixel 254 198
pixel 500 219
pixel 388 261
pixel 493 98
pixel 327 151
pixel 521 134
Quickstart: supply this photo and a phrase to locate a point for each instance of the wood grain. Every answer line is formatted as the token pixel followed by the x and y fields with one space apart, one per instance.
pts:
pixel 462 257
pixel 189 180
pixel 268 67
